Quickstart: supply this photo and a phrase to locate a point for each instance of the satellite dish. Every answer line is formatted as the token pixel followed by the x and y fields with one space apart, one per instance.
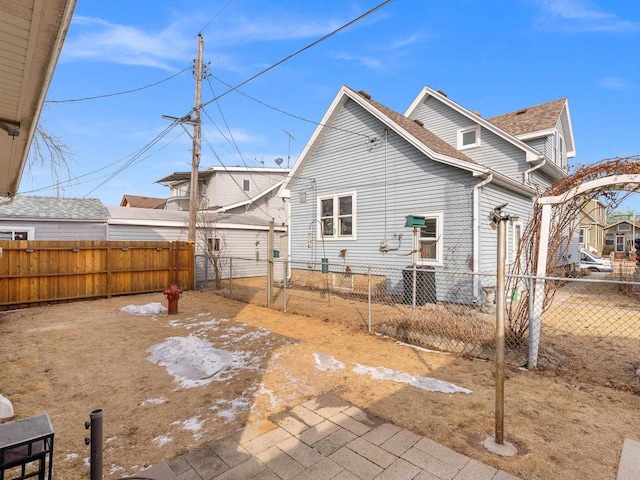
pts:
pixel 278 161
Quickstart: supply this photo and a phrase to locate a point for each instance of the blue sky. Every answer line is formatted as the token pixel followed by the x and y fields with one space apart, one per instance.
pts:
pixel 493 56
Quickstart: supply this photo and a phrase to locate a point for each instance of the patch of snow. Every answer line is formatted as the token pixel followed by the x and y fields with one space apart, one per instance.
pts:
pixel 425 383
pixel 194 423
pixel 71 456
pixel 192 361
pixel 422 349
pixel 236 406
pixel 110 439
pixel 163 439
pixel 326 362
pixel 154 308
pixel 86 462
pixel 115 468
pixel 153 401
pixel 272 398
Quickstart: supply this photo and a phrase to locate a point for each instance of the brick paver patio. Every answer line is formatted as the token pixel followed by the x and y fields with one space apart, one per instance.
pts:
pixel 328 438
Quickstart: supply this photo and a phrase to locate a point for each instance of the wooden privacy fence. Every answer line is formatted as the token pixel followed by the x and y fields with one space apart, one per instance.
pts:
pixel 37 272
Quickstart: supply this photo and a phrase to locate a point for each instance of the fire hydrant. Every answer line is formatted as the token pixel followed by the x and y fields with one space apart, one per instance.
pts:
pixel 172 294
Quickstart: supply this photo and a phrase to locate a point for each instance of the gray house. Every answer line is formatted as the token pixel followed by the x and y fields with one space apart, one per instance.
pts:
pixel 225 189
pixel 367 167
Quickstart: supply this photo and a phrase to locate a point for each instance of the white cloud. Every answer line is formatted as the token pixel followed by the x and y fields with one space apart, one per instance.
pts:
pixel 368 62
pixel 581 16
pixel 108 42
pixel 615 83
pixel 97 39
pixel 405 41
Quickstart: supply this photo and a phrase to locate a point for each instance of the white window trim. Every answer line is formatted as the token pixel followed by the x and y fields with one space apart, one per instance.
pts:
pixel 31 231
pixel 439 261
pixel 511 257
pixel 627 227
pixel 462 131
pixel 211 242
pixel 248 183
pixel 335 235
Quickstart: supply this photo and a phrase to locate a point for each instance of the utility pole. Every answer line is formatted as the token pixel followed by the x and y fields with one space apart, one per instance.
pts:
pixel 194 194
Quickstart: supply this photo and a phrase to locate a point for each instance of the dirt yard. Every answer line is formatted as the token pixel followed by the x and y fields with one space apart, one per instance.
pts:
pixel 67 360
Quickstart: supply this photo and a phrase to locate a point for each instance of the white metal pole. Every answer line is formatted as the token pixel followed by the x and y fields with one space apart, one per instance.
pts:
pixel 500 311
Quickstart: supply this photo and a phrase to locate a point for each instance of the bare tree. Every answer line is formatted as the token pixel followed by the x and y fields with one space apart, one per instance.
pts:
pixel 211 242
pixel 49 151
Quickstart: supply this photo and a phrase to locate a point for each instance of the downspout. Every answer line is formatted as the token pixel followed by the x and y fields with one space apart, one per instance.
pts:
pixel 526 176
pixel 476 236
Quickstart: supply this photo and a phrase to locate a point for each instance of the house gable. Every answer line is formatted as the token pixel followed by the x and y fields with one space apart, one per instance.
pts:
pixel 491 150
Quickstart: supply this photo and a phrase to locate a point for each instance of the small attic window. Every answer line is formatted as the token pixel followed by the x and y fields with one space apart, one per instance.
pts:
pixel 468 137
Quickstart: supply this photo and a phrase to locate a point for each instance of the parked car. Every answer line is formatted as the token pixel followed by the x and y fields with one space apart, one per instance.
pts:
pixel 594 263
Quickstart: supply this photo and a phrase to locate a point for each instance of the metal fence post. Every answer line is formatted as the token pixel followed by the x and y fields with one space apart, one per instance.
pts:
pixel 284 283
pixel 369 296
pixel 413 292
pixel 230 277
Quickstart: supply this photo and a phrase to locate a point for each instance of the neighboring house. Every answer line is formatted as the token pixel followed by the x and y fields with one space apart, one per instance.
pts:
pixel 53 218
pixel 231 190
pixel 142 202
pixel 32 33
pixel 619 237
pixel 367 167
pixel 593 221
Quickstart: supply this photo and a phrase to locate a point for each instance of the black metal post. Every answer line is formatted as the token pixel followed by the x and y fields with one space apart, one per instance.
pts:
pixel 96 443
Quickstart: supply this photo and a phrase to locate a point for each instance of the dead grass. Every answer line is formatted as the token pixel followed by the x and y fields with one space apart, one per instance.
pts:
pixel 67 360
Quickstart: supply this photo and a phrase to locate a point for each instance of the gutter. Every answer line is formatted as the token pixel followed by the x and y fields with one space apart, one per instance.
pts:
pixel 526 176
pixel 476 236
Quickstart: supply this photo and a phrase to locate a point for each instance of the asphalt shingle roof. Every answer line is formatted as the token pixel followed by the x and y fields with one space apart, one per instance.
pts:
pixel 54 208
pixel 136 201
pixel 530 119
pixel 426 136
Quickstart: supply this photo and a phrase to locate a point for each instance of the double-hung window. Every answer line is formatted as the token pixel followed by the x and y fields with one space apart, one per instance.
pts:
pixel 430 240
pixel 338 216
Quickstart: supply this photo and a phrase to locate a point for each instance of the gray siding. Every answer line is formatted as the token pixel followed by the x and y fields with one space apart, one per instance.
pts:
pixel 268 207
pixel 493 152
pixel 244 252
pixel 139 233
pixel 346 161
pixel 490 197
pixel 540 144
pixel 226 188
pixel 65 230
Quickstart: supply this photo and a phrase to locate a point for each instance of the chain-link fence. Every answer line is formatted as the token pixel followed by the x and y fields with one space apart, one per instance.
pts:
pixel 590 327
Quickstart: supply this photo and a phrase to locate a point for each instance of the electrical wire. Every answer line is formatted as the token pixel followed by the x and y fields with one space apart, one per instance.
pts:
pixel 297 52
pixel 293 115
pixel 119 93
pixel 208 143
pixel 135 158
pixel 132 161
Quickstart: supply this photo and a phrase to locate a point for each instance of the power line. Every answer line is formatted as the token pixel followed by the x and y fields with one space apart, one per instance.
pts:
pixel 284 112
pixel 146 148
pixel 297 52
pixel 119 93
